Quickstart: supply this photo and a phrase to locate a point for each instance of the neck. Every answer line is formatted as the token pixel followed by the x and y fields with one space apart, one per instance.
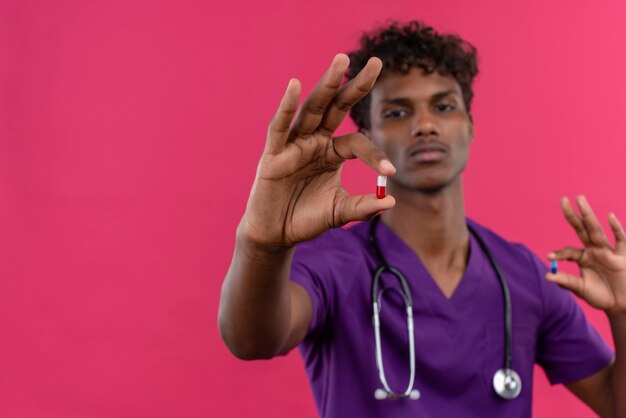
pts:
pixel 432 224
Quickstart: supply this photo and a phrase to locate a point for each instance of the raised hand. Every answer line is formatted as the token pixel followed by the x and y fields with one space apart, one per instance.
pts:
pixel 602 280
pixel 297 193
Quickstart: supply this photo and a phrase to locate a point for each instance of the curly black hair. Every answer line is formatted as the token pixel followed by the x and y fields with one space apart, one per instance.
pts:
pixel 402 47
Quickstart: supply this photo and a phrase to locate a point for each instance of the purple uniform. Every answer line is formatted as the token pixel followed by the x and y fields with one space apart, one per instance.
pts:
pixel 459 342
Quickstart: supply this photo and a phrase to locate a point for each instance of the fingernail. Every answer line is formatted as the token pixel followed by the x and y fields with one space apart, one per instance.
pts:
pixel 291 81
pixel 551 255
pixel 386 165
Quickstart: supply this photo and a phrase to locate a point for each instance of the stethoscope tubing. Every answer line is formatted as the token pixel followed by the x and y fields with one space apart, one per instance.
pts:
pixel 506 297
pixel 376 306
pixel 506 382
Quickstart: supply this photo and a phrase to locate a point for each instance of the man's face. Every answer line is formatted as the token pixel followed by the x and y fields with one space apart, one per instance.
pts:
pixel 421 123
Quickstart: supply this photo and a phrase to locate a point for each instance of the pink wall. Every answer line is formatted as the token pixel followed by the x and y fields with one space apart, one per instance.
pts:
pixel 129 136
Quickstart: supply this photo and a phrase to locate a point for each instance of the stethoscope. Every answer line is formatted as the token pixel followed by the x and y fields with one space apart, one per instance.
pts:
pixel 506 382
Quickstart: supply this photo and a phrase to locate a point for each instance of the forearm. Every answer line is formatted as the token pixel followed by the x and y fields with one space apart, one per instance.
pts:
pixel 618 377
pixel 254 311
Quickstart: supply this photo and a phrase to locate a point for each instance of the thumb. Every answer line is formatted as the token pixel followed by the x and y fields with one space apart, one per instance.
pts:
pixel 360 207
pixel 572 283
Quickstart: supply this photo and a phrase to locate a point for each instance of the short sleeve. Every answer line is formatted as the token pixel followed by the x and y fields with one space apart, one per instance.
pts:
pixel 569 348
pixel 305 271
pixel 323 267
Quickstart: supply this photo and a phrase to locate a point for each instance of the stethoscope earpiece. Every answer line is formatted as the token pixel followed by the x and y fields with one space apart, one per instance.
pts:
pixel 381 394
pixel 415 394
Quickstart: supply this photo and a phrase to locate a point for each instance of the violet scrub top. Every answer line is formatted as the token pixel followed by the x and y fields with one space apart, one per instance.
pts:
pixel 459 342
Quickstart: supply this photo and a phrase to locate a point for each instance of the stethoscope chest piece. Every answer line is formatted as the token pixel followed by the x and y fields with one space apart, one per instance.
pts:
pixel 507 383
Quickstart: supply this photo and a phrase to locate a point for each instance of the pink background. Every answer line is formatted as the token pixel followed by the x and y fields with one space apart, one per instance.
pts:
pixel 129 136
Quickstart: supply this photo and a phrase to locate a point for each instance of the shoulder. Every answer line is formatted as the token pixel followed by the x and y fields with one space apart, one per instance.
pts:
pixel 336 242
pixel 524 270
pixel 336 252
pixel 502 247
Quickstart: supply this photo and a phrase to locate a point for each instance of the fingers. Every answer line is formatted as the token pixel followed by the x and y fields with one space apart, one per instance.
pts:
pixel 567 253
pixel 357 145
pixel 575 221
pixel 314 107
pixel 618 232
pixel 568 281
pixel 349 94
pixel 593 227
pixel 278 130
pixel 360 208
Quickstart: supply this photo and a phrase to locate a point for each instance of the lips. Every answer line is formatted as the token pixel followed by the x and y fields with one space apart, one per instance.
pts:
pixel 427 152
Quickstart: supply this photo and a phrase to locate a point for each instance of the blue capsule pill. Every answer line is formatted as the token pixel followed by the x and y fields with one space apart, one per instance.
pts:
pixel 554 267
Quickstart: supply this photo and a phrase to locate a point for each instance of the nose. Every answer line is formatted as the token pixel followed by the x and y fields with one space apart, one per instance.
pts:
pixel 424 124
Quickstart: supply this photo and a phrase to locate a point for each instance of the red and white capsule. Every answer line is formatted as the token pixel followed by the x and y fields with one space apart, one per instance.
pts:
pixel 381 187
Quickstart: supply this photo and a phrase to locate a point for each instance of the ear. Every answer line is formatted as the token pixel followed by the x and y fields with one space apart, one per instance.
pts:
pixel 471 128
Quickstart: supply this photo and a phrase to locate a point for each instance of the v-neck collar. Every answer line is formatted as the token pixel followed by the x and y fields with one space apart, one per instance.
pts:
pixel 423 287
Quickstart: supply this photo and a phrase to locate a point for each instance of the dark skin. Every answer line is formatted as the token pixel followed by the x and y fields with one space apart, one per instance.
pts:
pixel 420 133
pixel 602 284
pixel 296 196
pixel 420 122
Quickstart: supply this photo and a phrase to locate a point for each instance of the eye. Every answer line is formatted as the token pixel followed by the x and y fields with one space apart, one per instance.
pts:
pixel 444 107
pixel 394 114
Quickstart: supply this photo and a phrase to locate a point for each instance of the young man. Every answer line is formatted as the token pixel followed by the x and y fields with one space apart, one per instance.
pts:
pixel 415 127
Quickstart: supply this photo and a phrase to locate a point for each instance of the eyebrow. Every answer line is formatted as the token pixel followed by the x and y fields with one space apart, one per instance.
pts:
pixel 443 94
pixel 405 100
